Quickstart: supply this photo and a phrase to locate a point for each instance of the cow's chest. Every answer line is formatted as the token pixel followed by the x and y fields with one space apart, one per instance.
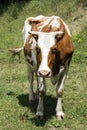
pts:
pixel 54 79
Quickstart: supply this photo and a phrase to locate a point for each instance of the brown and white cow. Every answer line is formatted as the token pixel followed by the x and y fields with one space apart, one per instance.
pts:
pixel 48 50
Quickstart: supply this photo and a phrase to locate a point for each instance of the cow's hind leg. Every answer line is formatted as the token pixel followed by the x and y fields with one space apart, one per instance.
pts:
pixel 41 92
pixel 60 87
pixel 31 78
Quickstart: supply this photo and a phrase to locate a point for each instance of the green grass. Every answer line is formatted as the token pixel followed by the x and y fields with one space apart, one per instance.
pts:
pixel 15 112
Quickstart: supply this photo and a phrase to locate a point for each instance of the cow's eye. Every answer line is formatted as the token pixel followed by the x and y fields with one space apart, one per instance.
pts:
pixel 54 50
pixel 38 50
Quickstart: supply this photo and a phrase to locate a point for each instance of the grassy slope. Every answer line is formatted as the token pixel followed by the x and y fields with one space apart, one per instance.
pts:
pixel 13 76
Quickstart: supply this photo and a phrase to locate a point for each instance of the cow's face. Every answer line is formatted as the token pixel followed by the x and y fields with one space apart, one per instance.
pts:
pixel 46 51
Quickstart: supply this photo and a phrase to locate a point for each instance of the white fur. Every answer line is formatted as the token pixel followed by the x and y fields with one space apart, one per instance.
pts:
pixel 41 87
pixel 60 114
pixel 45 42
pixel 67 29
pixel 46 22
pixel 55 22
pixel 26 29
pixel 33 52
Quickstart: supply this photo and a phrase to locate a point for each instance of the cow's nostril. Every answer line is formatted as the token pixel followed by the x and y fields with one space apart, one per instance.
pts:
pixel 44 73
pixel 48 73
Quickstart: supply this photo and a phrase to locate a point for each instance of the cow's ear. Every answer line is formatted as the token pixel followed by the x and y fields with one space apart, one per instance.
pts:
pixel 34 35
pixel 59 35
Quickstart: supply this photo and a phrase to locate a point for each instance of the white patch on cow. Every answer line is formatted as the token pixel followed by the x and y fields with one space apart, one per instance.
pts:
pixel 55 22
pixel 50 21
pixel 62 83
pixel 59 112
pixel 45 42
pixel 32 42
pixel 26 29
pixel 33 52
pixel 41 87
pixel 29 58
pixel 67 29
pixel 46 22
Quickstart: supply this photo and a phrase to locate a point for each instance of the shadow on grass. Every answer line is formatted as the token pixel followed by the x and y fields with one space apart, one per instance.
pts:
pixel 49 109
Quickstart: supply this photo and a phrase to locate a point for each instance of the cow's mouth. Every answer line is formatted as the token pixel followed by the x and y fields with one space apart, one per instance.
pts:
pixel 44 73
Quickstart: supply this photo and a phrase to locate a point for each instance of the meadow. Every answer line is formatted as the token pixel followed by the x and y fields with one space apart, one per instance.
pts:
pixel 15 111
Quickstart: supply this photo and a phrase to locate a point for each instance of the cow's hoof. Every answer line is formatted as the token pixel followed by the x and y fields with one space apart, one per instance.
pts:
pixel 60 115
pixel 39 115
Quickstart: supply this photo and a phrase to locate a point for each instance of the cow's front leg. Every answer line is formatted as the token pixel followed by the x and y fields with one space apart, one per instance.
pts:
pixel 41 92
pixel 60 88
pixel 31 78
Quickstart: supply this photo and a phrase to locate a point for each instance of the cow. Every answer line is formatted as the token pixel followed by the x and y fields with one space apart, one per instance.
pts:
pixel 48 50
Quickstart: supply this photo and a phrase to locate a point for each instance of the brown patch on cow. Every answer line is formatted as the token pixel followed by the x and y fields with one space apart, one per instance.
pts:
pixel 27 47
pixel 38 55
pixel 34 27
pixel 53 60
pixel 64 50
pixel 46 28
pixel 50 28
pixel 35 21
pixel 65 47
pixel 60 92
pixel 41 93
pixel 27 50
pixel 37 25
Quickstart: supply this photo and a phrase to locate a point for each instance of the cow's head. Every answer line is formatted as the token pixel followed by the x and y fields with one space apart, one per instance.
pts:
pixel 46 51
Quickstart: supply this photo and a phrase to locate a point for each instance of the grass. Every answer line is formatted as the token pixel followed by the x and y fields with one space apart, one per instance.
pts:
pixel 15 112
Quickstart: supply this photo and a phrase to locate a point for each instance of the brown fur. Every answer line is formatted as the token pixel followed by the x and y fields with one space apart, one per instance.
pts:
pixel 39 56
pixel 27 47
pixel 64 53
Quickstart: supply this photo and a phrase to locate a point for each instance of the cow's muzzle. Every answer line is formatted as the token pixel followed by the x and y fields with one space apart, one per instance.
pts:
pixel 44 73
